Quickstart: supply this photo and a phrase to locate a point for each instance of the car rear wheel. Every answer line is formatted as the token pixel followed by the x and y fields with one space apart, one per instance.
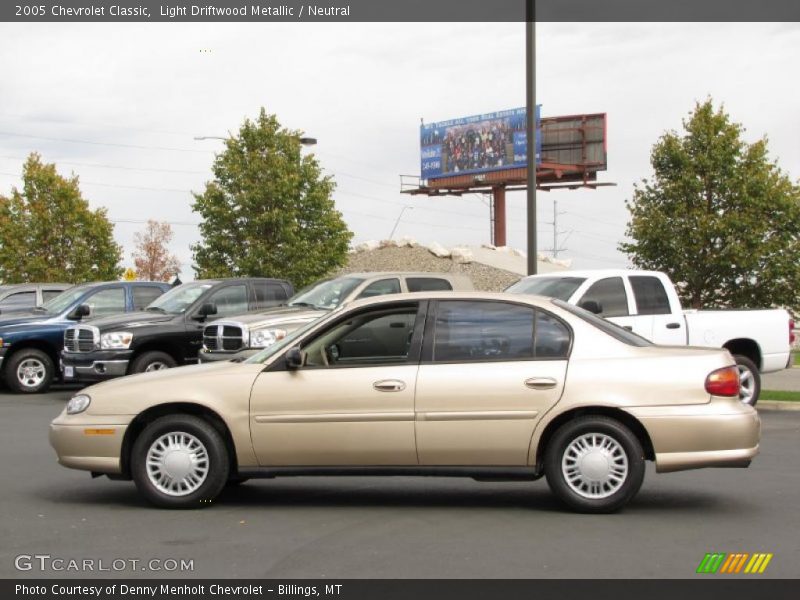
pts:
pixel 749 380
pixel 180 461
pixel 152 361
pixel 29 371
pixel 594 464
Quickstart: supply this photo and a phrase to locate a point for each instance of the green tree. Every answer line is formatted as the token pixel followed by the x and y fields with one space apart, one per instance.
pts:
pixel 268 211
pixel 718 216
pixel 49 233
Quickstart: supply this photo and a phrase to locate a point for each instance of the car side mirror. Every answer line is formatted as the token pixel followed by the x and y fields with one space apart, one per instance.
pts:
pixel 592 306
pixel 295 358
pixel 82 310
pixel 207 309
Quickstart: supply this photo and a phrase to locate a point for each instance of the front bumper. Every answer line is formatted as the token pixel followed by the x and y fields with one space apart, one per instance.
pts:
pixel 95 366
pixel 89 443
pixel 723 433
pixel 207 357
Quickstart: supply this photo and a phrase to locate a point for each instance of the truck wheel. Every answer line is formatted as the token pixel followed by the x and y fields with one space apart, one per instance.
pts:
pixel 180 461
pixel 594 464
pixel 29 371
pixel 152 361
pixel 749 380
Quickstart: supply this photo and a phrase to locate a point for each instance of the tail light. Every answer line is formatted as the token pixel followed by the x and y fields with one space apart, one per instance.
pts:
pixel 723 382
pixel 792 337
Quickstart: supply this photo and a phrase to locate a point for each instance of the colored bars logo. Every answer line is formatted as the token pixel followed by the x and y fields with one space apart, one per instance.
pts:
pixel 741 562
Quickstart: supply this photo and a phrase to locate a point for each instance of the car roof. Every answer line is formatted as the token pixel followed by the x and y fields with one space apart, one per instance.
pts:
pixel 531 299
pixel 373 274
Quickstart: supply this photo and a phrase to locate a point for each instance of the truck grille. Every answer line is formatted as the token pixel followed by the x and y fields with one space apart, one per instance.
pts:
pixel 228 338
pixel 79 339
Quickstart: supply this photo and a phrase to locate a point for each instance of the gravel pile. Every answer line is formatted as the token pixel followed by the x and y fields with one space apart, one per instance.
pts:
pixel 418 258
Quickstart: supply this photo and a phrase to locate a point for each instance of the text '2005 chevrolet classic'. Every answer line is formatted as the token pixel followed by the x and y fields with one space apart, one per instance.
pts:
pixel 437 383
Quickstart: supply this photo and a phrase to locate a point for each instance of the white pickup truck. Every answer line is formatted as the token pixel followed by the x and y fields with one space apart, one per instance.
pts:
pixel 646 303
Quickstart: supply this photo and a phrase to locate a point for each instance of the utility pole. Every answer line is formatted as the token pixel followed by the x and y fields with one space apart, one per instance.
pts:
pixel 556 248
pixel 530 100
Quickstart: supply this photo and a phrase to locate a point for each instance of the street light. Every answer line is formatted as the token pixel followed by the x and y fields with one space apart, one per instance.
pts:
pixel 400 216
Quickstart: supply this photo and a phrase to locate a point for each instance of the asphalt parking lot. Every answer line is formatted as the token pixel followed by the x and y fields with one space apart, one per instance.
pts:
pixel 396 527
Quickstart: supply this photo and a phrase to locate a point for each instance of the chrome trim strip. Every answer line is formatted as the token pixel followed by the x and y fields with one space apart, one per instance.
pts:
pixel 477 415
pixel 336 417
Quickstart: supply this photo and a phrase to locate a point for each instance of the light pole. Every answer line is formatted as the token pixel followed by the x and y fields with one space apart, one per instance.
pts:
pixel 400 216
pixel 530 98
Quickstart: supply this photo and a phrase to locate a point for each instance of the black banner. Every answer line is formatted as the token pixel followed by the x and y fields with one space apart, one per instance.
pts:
pixel 399 10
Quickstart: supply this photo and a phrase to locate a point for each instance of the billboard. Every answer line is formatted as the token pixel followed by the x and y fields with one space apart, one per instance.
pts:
pixel 476 144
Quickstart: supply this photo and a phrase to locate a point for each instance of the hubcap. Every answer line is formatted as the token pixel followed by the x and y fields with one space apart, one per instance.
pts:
pixel 747 384
pixel 156 366
pixel 31 372
pixel 595 465
pixel 177 463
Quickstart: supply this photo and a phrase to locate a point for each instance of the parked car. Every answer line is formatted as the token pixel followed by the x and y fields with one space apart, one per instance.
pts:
pixel 30 344
pixel 241 336
pixel 168 333
pixel 646 303
pixel 484 385
pixel 23 297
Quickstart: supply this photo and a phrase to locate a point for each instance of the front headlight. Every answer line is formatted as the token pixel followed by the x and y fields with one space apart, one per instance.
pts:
pixel 266 337
pixel 78 404
pixel 116 340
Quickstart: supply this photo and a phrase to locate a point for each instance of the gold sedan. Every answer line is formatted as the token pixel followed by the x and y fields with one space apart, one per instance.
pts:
pixel 489 386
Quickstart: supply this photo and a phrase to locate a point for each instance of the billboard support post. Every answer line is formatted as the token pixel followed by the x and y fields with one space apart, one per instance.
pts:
pixel 530 100
pixel 499 201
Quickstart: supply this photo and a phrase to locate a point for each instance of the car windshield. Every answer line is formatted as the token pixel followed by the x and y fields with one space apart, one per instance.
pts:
pixel 280 345
pixel 553 287
pixel 60 303
pixel 177 300
pixel 612 329
pixel 326 294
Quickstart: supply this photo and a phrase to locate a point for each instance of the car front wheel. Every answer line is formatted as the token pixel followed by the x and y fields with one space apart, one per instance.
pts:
pixel 29 371
pixel 180 461
pixel 152 361
pixel 594 464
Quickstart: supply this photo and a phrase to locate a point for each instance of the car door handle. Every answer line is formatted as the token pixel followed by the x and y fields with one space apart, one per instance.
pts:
pixel 541 383
pixel 389 385
pixel 673 325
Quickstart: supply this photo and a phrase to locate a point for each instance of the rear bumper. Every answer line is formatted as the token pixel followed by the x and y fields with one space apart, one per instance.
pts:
pixel 722 433
pixel 94 366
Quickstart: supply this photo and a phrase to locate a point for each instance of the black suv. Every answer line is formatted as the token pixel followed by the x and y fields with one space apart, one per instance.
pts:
pixel 168 333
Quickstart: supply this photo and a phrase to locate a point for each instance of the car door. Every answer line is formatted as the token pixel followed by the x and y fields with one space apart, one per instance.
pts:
pixel 489 371
pixel 611 297
pixel 652 303
pixel 107 301
pixel 352 402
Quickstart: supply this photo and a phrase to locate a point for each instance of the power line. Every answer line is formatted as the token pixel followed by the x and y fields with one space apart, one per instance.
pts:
pixel 93 143
pixel 100 166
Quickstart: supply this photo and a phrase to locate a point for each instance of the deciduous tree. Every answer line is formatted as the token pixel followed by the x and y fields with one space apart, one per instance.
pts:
pixel 719 216
pixel 151 254
pixel 269 210
pixel 49 233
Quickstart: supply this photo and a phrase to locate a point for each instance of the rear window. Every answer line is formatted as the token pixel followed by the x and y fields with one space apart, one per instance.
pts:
pixel 612 329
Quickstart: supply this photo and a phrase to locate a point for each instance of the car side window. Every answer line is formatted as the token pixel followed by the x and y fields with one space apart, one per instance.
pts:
pixel 381 288
pixel 552 337
pixel 269 293
pixel 481 331
pixel 50 294
pixel 374 338
pixel 428 284
pixel 144 295
pixel 650 295
pixel 19 300
pixel 106 302
pixel 610 296
pixel 230 300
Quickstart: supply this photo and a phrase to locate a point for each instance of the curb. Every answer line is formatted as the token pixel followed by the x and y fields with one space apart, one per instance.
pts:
pixel 778 405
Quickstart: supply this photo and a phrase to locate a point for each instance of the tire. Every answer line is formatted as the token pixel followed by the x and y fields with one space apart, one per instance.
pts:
pixel 29 371
pixel 152 361
pixel 180 437
pixel 594 492
pixel 750 380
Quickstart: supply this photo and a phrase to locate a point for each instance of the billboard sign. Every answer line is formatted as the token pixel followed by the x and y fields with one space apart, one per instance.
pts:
pixel 476 144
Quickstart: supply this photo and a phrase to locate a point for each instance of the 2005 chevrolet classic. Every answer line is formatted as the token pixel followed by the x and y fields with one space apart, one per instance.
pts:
pixel 471 384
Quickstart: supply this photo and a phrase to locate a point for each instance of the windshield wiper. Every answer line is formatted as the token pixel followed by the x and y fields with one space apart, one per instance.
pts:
pixel 39 309
pixel 157 308
pixel 302 304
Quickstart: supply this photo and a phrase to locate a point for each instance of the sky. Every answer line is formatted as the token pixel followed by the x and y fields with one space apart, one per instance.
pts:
pixel 119 105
